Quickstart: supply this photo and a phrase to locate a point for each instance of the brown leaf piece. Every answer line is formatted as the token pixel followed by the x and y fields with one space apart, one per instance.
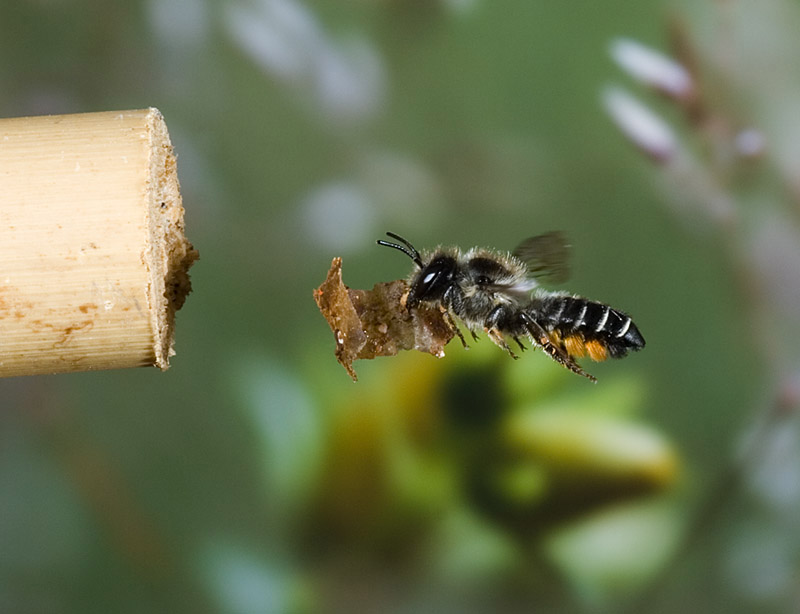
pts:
pixel 371 323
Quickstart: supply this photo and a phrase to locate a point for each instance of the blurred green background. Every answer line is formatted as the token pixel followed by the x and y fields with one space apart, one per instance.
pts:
pixel 254 476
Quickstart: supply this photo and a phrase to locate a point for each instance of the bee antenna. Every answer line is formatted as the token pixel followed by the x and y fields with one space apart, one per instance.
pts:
pixel 406 247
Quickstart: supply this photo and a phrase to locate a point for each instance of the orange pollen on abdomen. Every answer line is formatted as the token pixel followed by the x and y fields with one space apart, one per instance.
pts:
pixel 575 346
pixel 597 350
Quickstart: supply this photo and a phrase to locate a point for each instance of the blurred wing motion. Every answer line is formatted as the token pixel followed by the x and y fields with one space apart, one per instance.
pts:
pixel 547 256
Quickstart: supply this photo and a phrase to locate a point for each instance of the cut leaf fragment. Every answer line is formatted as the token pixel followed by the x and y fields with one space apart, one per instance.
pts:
pixel 371 323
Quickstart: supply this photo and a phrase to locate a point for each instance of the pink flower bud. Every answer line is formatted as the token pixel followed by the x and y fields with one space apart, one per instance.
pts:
pixel 652 68
pixel 644 128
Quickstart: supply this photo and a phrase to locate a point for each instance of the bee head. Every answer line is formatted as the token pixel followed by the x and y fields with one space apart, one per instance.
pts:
pixel 433 278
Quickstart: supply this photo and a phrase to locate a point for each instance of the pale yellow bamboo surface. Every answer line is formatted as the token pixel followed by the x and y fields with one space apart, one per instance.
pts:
pixel 93 257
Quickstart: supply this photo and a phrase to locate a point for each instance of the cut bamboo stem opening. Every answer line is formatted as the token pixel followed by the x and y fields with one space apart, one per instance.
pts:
pixel 93 257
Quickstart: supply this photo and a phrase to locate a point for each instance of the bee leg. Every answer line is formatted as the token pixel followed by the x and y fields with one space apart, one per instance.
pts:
pixel 452 302
pixel 474 334
pixel 492 326
pixel 541 338
pixel 454 327
pixel 519 343
pixel 497 337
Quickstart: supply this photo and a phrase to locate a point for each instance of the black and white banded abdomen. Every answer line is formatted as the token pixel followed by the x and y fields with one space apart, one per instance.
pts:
pixel 574 315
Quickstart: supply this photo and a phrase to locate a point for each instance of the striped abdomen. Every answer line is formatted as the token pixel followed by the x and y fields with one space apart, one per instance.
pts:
pixel 585 327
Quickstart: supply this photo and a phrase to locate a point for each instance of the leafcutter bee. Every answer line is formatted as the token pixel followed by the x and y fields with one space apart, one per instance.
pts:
pixel 500 293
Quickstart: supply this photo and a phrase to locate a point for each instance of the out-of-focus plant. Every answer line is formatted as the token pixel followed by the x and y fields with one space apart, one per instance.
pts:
pixel 737 185
pixel 503 453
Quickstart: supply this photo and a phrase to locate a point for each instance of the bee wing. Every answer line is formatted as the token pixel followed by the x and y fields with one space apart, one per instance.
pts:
pixel 546 255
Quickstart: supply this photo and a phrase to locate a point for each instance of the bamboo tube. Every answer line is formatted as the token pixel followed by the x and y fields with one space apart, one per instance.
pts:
pixel 93 257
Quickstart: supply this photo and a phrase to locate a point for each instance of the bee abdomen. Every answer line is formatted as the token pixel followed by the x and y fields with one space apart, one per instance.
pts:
pixel 590 327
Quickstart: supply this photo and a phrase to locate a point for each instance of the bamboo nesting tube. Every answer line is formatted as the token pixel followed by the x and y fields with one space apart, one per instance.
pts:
pixel 93 257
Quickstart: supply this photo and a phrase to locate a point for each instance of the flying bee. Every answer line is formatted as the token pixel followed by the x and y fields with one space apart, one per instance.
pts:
pixel 500 294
